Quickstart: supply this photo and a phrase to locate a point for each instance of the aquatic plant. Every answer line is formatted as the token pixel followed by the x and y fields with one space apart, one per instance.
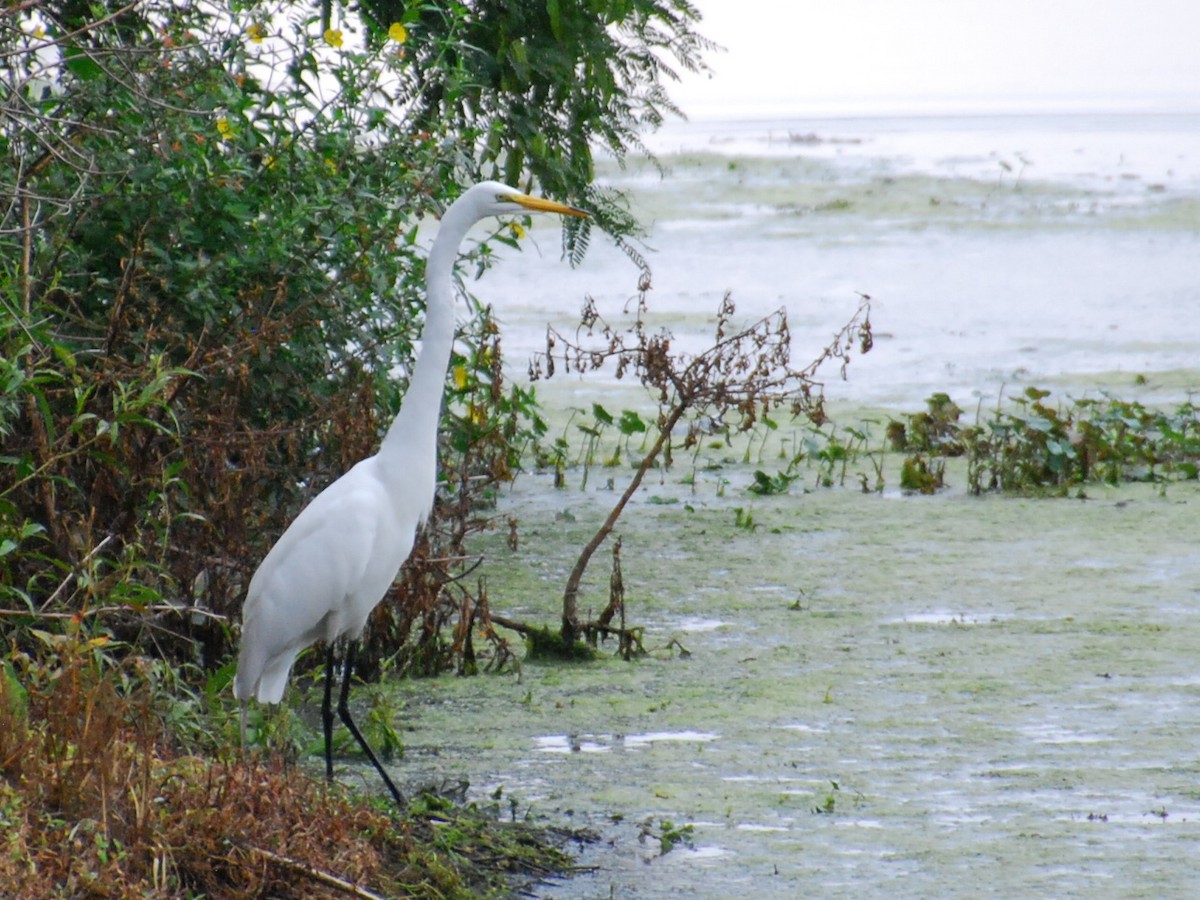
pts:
pixel 744 519
pixel 829 805
pixel 935 430
pixel 1032 446
pixel 767 485
pixel 669 834
pixel 920 474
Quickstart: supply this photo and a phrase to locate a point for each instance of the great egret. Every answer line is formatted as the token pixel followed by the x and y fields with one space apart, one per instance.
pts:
pixel 336 560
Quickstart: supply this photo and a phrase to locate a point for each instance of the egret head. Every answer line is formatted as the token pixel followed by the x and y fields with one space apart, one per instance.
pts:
pixel 491 198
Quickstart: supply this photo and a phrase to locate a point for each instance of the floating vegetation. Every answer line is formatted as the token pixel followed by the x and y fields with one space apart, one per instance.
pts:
pixel 1032 446
pixel 922 475
pixel 1024 445
pixel 669 834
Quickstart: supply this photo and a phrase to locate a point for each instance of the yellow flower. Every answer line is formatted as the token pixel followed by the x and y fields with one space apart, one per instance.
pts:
pixel 517 229
pixel 398 33
pixel 224 129
pixel 460 377
pixel 333 37
pixel 331 166
pixel 257 32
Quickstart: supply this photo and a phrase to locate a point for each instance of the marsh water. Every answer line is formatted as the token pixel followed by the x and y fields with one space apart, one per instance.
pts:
pixel 998 251
pixel 854 693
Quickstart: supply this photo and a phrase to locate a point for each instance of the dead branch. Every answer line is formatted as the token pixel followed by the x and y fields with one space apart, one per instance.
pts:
pixel 747 370
pixel 98 611
pixel 315 874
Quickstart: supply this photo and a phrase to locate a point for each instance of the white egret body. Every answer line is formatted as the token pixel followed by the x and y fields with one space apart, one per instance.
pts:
pixel 338 558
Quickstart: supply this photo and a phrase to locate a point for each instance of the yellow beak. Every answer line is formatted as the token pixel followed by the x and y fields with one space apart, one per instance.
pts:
pixel 540 204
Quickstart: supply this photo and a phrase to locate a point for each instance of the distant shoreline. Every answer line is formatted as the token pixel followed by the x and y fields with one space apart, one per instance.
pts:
pixel 1162 107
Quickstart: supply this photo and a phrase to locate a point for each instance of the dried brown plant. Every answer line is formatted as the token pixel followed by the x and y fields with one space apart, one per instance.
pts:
pixel 746 373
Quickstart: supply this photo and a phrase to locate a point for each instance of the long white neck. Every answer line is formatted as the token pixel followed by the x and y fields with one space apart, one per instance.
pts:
pixel 412 438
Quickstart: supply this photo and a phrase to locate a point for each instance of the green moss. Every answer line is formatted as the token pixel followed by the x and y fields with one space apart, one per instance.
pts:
pixel 543 644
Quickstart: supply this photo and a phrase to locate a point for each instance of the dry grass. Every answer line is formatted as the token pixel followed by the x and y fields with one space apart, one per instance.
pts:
pixel 96 800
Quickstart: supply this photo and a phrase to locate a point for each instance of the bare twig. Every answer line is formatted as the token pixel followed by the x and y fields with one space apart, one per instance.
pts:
pixel 14 8
pixel 315 874
pixel 570 617
pixel 74 572
pixel 122 608
pixel 513 624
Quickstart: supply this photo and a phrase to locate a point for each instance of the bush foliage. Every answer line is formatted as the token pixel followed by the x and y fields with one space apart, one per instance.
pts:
pixel 211 266
pixel 211 274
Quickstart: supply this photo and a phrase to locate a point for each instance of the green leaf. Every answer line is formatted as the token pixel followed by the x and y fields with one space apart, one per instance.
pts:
pixel 81 65
pixel 554 12
pixel 14 691
pixel 631 423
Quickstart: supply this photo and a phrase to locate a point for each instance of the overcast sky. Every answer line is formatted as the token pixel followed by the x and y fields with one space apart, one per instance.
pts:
pixel 797 56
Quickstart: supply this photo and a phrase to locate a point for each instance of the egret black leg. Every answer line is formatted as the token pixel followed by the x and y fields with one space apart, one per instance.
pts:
pixel 344 713
pixel 327 712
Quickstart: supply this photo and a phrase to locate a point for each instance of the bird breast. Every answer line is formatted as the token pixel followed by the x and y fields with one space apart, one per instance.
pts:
pixel 337 559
